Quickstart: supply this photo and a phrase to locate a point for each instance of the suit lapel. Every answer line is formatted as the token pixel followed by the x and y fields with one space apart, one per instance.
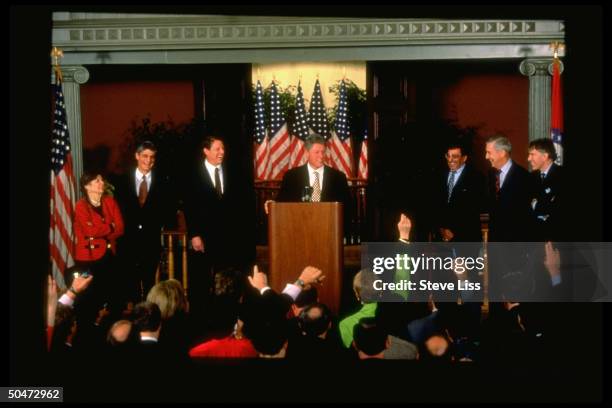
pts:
pixel 305 178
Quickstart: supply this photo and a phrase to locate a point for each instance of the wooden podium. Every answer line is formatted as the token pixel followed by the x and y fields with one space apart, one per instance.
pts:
pixel 302 234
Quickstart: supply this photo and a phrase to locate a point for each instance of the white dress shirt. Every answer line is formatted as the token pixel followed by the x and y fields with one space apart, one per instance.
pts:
pixel 504 172
pixel 211 171
pixel 139 177
pixel 311 176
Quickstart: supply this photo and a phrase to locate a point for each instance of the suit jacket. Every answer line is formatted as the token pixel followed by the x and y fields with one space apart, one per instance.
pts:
pixel 461 214
pixel 95 232
pixel 335 186
pixel 143 224
pixel 224 223
pixel 510 214
pixel 548 210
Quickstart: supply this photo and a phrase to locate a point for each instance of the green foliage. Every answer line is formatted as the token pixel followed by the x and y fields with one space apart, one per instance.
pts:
pixel 356 105
pixel 171 139
pixel 357 108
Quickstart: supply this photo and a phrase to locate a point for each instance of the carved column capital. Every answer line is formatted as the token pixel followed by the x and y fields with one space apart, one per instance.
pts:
pixel 540 66
pixel 75 73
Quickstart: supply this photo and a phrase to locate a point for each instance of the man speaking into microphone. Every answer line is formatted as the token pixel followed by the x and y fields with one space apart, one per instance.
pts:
pixel 326 184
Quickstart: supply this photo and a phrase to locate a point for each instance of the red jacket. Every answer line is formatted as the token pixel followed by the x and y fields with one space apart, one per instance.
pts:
pixel 93 232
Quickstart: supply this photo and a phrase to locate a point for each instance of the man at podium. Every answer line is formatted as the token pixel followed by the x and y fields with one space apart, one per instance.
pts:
pixel 314 181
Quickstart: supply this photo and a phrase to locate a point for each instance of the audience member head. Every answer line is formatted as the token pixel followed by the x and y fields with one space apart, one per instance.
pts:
pixel 363 291
pixel 147 319
pixel 498 150
pixel 315 320
pixel 228 287
pixel 437 348
pixel 170 297
pixel 269 337
pixel 267 325
pixel 306 298
pixel 369 339
pixel 120 333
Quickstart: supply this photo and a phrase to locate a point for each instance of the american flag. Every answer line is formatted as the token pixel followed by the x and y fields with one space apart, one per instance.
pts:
pixel 280 153
pixel 340 143
pixel 261 138
pixel 556 127
pixel 63 194
pixel 363 158
pixel 317 118
pixel 299 155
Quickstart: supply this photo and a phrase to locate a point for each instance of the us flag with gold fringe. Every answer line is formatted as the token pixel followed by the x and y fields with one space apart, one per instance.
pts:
pixel 340 143
pixel 317 119
pixel 260 138
pixel 63 194
pixel 363 159
pixel 299 155
pixel 280 153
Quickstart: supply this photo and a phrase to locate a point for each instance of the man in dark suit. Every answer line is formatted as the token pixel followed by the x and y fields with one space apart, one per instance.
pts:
pixel 216 215
pixel 460 198
pixel 547 196
pixel 327 184
pixel 143 197
pixel 316 182
pixel 509 190
pixel 510 220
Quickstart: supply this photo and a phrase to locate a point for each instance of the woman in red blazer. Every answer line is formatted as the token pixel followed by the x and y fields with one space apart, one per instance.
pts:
pixel 97 225
pixel 98 222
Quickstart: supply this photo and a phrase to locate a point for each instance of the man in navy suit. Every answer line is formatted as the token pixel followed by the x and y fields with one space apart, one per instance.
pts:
pixel 547 197
pixel 144 199
pixel 314 181
pixel 460 199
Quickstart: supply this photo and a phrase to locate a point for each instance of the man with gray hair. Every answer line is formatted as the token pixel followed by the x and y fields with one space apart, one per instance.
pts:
pixel 510 220
pixel 509 193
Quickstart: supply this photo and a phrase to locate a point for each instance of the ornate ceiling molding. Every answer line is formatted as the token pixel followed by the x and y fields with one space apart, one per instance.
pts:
pixel 80 32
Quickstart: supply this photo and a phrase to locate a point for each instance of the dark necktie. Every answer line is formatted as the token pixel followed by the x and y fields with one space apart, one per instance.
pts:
pixel 451 184
pixel 142 191
pixel 218 182
pixel 542 177
pixel 497 183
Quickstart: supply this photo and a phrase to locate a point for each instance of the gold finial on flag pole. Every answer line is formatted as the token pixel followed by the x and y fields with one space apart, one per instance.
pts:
pixel 56 54
pixel 555 46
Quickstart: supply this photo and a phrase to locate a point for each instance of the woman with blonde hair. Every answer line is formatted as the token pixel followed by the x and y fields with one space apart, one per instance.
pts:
pixel 175 336
pixel 170 297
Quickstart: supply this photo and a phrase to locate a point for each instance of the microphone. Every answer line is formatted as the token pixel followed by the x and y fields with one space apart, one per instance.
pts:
pixel 307 194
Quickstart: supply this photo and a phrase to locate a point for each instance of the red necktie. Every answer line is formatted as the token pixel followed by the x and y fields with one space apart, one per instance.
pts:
pixel 142 191
pixel 497 183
